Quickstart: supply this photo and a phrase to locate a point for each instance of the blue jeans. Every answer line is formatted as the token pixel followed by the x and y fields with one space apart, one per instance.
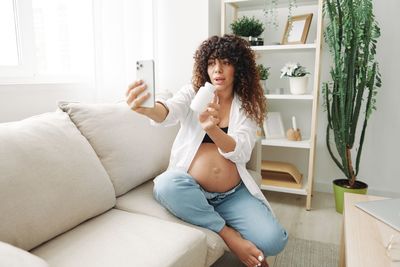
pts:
pixel 183 196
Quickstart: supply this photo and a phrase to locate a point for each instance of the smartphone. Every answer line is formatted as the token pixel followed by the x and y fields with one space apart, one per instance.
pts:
pixel 145 72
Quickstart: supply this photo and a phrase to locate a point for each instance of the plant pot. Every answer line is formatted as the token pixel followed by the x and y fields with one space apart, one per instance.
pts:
pixel 264 86
pixel 254 41
pixel 340 186
pixel 298 85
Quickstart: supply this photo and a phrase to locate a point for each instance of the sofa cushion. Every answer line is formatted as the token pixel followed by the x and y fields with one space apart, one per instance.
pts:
pixel 131 150
pixel 140 200
pixel 11 256
pixel 119 238
pixel 50 180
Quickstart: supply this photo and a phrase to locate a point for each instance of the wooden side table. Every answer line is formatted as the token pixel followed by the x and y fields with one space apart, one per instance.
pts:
pixel 363 237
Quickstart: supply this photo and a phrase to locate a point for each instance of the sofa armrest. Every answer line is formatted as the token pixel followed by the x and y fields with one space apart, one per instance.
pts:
pixel 15 257
pixel 254 164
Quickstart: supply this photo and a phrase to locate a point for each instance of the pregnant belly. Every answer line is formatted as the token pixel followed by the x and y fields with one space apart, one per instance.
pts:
pixel 212 171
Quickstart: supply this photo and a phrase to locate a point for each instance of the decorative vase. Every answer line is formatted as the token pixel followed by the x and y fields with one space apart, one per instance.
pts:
pixel 264 86
pixel 298 85
pixel 340 186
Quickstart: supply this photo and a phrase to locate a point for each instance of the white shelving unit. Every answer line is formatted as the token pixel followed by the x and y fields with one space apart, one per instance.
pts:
pixel 312 49
pixel 284 47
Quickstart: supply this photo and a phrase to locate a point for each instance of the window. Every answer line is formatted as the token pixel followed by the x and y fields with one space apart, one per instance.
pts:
pixel 63 37
pixel 64 41
pixel 9 50
pixel 46 40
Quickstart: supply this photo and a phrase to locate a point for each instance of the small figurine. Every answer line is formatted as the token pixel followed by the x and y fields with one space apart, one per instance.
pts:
pixel 293 134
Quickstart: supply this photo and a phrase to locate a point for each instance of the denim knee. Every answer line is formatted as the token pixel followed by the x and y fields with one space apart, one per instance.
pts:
pixel 164 186
pixel 271 242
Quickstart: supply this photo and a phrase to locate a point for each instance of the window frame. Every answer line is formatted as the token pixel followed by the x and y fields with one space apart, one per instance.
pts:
pixel 23 17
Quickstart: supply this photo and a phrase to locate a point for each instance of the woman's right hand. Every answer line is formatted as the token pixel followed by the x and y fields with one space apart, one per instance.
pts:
pixel 135 98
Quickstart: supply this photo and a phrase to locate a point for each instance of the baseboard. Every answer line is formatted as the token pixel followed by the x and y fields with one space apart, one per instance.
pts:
pixel 327 188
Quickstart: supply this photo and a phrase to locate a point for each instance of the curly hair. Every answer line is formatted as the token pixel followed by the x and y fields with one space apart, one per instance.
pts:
pixel 246 80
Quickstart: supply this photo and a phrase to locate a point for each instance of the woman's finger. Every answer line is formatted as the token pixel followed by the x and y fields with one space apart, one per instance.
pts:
pixel 213 112
pixel 215 99
pixel 137 103
pixel 132 86
pixel 213 106
pixel 135 92
pixel 215 120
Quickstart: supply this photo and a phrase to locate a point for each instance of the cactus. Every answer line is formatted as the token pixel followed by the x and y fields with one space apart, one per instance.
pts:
pixel 351 35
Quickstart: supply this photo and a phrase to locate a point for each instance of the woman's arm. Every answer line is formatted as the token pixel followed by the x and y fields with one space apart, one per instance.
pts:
pixel 222 140
pixel 238 144
pixel 157 114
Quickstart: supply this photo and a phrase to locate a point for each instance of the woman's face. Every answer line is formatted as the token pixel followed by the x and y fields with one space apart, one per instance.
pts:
pixel 221 73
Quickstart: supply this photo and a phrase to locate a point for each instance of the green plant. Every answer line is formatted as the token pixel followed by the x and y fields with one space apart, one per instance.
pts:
pixel 351 35
pixel 246 26
pixel 271 14
pixel 293 70
pixel 263 71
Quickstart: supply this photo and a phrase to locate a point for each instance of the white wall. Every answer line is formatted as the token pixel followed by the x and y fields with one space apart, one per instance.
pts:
pixel 19 101
pixel 181 26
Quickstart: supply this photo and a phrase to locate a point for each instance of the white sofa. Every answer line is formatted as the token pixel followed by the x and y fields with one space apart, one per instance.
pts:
pixel 76 190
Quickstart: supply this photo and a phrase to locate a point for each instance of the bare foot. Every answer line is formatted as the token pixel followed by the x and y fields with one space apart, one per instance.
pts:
pixel 245 250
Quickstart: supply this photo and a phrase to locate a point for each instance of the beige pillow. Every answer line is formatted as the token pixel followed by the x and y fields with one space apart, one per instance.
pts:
pixel 11 256
pixel 131 150
pixel 50 180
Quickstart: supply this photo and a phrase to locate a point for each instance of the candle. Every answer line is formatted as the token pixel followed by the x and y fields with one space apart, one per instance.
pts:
pixel 294 126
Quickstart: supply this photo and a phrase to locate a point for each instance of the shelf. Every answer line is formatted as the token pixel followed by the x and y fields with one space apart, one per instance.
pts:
pixel 286 143
pixel 231 10
pixel 279 173
pixel 278 47
pixel 262 3
pixel 301 191
pixel 290 97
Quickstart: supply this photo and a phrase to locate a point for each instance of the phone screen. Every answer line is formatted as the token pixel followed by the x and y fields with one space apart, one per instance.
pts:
pixel 145 72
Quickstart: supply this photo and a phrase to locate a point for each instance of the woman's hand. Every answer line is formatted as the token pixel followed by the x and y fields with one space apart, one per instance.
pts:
pixel 210 117
pixel 135 98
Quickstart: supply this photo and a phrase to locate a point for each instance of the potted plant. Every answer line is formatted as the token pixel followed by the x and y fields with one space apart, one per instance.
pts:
pixel 349 97
pixel 263 72
pixel 250 28
pixel 297 77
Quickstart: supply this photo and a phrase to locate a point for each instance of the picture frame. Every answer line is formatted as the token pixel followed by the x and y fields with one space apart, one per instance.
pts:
pixel 296 30
pixel 273 126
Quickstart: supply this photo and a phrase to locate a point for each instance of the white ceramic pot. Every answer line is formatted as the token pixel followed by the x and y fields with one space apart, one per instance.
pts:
pixel 264 86
pixel 298 85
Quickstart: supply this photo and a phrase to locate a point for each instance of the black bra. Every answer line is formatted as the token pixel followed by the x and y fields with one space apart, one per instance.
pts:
pixel 207 138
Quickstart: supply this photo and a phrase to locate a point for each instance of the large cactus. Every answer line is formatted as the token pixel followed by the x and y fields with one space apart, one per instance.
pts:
pixel 351 35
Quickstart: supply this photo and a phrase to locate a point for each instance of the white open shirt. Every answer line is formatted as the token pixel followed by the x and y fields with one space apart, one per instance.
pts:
pixel 190 136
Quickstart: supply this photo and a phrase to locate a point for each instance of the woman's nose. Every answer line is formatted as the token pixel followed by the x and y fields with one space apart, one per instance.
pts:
pixel 218 67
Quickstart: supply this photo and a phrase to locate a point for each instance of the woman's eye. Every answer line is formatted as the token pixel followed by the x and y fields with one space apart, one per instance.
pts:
pixel 210 63
pixel 226 62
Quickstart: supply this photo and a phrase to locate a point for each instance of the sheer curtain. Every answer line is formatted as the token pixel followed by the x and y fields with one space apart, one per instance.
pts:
pixel 123 33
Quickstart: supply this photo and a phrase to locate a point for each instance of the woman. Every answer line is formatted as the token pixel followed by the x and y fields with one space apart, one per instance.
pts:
pixel 207 183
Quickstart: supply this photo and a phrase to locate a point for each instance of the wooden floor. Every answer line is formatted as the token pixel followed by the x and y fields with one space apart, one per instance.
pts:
pixel 322 223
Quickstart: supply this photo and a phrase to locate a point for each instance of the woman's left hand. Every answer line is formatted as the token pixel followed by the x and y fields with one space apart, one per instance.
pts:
pixel 210 117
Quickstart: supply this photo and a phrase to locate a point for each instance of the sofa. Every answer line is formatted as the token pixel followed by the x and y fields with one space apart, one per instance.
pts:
pixel 76 190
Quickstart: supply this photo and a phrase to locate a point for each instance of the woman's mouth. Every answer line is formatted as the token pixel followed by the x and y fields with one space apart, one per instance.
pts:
pixel 219 80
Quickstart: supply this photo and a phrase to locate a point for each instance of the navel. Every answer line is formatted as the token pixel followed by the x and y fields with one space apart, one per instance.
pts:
pixel 216 170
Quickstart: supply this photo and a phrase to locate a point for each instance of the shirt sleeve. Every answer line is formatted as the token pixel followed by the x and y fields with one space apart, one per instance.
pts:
pixel 245 138
pixel 178 106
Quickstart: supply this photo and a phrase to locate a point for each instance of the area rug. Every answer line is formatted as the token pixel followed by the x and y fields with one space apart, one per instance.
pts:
pixel 307 253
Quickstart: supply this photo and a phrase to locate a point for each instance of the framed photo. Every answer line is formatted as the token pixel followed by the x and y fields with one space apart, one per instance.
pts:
pixel 296 29
pixel 273 126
